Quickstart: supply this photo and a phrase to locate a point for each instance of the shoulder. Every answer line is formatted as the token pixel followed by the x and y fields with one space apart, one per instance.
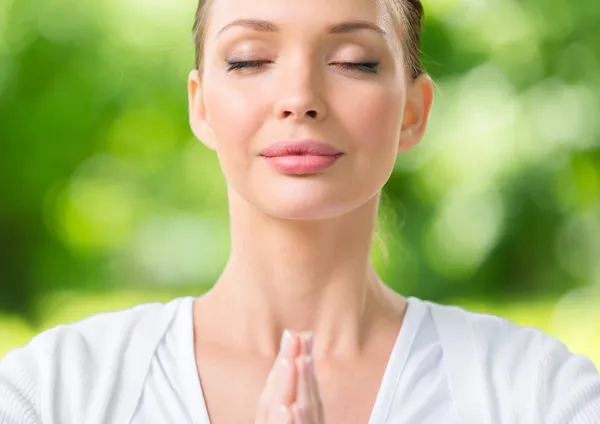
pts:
pixel 97 336
pixel 90 356
pixel 525 368
pixel 492 338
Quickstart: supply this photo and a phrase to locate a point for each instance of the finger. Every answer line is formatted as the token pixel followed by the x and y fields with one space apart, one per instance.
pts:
pixel 307 396
pixel 274 378
pixel 306 343
pixel 283 394
pixel 284 382
pixel 299 414
pixel 303 405
pixel 316 412
pixel 285 386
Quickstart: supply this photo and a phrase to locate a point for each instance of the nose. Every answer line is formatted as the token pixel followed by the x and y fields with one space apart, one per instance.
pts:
pixel 300 97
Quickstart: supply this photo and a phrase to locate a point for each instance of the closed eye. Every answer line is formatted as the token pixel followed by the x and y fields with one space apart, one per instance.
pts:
pixel 234 65
pixel 366 67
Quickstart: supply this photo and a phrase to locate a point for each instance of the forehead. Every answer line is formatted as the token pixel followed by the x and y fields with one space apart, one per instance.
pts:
pixel 302 15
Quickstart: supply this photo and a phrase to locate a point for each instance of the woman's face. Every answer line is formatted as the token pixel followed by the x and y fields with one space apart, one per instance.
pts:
pixel 291 71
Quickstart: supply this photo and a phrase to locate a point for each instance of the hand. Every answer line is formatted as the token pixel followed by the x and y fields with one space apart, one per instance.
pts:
pixel 280 390
pixel 308 407
pixel 291 395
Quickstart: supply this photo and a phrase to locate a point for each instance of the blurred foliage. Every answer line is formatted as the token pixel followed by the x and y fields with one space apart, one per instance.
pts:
pixel 103 186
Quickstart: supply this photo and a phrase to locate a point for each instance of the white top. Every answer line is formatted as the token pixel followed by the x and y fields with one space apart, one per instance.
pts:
pixel 447 366
pixel 413 381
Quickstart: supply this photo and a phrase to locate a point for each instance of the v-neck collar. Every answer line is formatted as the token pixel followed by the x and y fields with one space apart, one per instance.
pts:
pixel 397 361
pixel 194 396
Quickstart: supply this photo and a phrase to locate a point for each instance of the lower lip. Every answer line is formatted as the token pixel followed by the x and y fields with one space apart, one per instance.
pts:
pixel 301 164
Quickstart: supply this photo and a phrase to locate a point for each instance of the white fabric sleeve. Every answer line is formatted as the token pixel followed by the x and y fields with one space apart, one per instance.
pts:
pixel 18 389
pixel 571 386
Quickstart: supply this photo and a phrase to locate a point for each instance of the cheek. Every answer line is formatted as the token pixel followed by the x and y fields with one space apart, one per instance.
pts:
pixel 375 125
pixel 234 114
pixel 376 120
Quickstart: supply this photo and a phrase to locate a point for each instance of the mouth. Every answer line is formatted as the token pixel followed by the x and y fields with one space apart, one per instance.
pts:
pixel 301 157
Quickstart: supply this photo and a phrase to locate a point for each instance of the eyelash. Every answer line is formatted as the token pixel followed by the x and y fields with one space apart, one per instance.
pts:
pixel 235 65
pixel 366 67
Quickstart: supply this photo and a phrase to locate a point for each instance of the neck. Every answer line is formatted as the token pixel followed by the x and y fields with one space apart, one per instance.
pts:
pixel 303 276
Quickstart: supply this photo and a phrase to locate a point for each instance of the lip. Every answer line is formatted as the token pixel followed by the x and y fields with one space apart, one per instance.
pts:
pixel 301 157
pixel 299 148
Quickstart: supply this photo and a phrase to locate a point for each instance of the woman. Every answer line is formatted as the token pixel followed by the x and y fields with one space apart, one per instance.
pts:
pixel 307 105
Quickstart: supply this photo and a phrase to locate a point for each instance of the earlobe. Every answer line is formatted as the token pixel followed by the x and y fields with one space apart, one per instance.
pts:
pixel 419 99
pixel 197 111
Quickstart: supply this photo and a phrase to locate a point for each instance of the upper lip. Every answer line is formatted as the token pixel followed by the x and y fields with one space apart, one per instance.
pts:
pixel 299 148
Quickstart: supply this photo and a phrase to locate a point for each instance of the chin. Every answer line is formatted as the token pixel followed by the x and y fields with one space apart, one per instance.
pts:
pixel 311 205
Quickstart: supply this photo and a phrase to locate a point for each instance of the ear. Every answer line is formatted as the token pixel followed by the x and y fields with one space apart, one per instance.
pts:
pixel 419 98
pixel 197 111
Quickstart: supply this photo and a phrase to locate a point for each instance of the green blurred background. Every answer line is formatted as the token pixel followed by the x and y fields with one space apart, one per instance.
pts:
pixel 109 201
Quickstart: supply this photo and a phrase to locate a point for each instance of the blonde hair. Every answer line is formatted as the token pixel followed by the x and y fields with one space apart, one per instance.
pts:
pixel 407 16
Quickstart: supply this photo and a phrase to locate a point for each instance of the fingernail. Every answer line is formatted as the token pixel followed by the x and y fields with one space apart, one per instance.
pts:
pixel 285 342
pixel 308 343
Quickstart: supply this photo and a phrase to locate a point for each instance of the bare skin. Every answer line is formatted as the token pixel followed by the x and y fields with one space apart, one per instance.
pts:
pixel 300 244
pixel 344 386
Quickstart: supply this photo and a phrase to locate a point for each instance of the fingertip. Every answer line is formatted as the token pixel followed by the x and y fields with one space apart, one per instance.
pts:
pixel 286 340
pixel 291 344
pixel 295 346
pixel 307 343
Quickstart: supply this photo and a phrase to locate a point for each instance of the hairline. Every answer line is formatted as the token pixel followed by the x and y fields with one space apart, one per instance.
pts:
pixel 409 37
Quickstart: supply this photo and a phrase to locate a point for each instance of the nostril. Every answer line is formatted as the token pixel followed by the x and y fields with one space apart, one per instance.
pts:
pixel 311 114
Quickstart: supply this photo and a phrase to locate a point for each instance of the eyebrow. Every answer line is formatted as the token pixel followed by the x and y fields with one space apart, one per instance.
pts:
pixel 339 28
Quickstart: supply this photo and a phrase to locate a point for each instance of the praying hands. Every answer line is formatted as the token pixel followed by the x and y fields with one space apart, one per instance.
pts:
pixel 291 394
